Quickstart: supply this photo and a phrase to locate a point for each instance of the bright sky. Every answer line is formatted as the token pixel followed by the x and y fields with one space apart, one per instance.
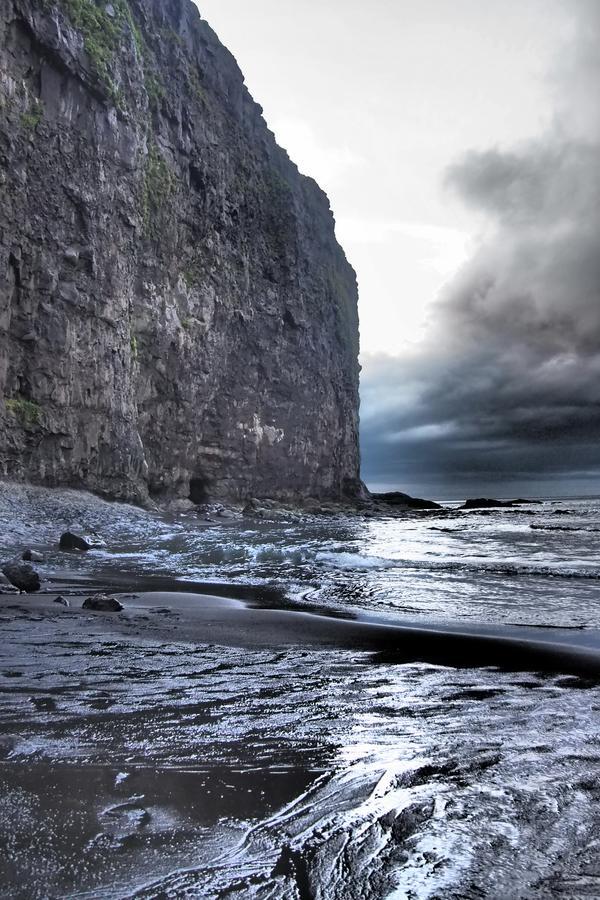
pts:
pixel 375 101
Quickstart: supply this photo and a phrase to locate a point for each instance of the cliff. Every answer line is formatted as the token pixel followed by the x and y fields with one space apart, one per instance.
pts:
pixel 176 316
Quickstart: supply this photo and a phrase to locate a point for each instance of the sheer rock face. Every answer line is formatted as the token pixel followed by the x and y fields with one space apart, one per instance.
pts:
pixel 176 316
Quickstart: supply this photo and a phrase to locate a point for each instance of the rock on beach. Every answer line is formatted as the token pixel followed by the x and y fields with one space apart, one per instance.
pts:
pixel 23 576
pixel 32 556
pixel 70 541
pixel 102 603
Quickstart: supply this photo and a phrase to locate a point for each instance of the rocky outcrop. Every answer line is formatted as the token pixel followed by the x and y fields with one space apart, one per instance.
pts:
pixel 176 316
pixel 397 498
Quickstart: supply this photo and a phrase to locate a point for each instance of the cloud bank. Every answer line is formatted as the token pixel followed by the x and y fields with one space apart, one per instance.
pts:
pixel 504 389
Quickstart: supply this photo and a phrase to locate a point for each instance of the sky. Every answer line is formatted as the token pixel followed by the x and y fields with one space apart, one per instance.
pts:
pixel 458 144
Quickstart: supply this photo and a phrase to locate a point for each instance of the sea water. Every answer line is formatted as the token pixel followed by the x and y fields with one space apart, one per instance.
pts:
pixel 193 770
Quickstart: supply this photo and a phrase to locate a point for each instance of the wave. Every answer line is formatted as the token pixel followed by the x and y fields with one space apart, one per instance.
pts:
pixel 346 560
pixel 355 561
pixel 540 527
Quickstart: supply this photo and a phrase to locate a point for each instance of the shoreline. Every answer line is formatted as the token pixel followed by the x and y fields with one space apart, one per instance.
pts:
pixel 224 511
pixel 191 613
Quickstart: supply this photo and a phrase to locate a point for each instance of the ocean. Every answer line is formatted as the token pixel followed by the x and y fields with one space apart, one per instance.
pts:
pixel 133 767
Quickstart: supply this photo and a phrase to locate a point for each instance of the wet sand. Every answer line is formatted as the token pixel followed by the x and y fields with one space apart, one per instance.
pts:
pixel 190 617
pixel 194 745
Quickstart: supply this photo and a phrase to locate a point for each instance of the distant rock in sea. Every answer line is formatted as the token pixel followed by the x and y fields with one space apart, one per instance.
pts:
pixel 397 498
pixel 488 503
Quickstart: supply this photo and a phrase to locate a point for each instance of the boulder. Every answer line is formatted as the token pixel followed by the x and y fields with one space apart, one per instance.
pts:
pixel 62 600
pixel 6 586
pixel 70 541
pixel 24 577
pixel 102 603
pixel 32 556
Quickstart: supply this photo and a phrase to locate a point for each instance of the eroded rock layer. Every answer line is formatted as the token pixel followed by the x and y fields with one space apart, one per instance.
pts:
pixel 176 316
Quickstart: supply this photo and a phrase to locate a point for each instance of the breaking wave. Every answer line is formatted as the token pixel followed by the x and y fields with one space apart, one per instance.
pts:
pixel 355 561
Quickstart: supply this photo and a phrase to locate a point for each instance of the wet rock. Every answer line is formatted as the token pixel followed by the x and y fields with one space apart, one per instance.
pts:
pixel 44 704
pixel 253 509
pixel 181 504
pixel 62 600
pixel 32 556
pixel 228 512
pixel 267 508
pixel 102 603
pixel 22 576
pixel 209 511
pixel 257 513
pixel 70 541
pixel 6 587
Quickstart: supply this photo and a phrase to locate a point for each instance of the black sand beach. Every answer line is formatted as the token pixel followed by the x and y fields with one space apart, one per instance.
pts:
pixel 181 615
pixel 262 726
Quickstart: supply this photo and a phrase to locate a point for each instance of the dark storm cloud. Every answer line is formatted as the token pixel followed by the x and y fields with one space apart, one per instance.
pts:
pixel 507 381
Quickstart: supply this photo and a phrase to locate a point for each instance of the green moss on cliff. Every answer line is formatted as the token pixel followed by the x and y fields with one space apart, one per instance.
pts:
pixel 190 276
pixel 197 89
pixel 169 34
pixel 154 88
pixel 158 185
pixel 28 412
pixel 103 34
pixel 32 118
pixel 192 272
